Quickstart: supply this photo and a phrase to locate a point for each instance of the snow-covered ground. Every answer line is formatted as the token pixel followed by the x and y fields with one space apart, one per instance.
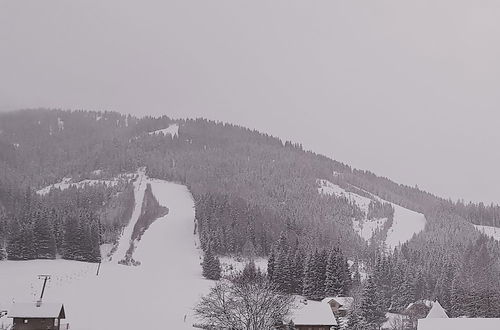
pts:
pixel 329 188
pixel 163 289
pixel 405 224
pixel 489 231
pixel 65 183
pixel 172 130
pixel 232 265
pixel 365 228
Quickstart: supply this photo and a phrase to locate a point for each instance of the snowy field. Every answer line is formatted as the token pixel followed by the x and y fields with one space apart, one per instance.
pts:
pixel 405 224
pixel 164 288
pixel 489 231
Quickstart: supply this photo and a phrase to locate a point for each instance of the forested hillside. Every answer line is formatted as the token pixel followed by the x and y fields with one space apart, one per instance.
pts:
pixel 250 189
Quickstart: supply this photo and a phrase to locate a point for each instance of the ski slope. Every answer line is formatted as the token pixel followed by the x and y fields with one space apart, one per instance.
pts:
pixel 165 287
pixel 405 224
pixel 172 130
pixel 489 231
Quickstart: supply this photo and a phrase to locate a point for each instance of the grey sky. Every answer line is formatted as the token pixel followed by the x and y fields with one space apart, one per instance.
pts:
pixel 407 89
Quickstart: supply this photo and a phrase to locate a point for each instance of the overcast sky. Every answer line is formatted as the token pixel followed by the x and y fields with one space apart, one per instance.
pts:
pixel 407 89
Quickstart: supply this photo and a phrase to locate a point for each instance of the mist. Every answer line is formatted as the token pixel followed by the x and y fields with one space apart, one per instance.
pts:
pixel 408 90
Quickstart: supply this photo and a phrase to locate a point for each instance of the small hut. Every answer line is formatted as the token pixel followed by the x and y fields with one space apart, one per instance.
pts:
pixel 35 316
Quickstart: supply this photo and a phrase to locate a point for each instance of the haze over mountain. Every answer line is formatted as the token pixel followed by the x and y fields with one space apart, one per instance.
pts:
pixel 381 85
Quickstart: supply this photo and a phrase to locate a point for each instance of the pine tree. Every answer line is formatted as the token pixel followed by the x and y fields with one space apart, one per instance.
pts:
pixel 270 266
pixel 314 274
pixel 44 237
pixel 458 297
pixel 333 282
pixel 355 321
pixel 298 272
pixel 14 251
pixel 371 310
pixel 287 280
pixel 310 277
pixel 346 276
pixel 281 270
pixel 321 262
pixel 211 266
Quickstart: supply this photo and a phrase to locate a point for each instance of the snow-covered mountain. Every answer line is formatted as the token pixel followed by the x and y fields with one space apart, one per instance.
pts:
pixel 255 195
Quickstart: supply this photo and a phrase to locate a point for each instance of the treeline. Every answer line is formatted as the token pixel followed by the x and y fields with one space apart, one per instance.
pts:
pixel 378 210
pixel 231 225
pixel 70 224
pixel 456 266
pixel 316 274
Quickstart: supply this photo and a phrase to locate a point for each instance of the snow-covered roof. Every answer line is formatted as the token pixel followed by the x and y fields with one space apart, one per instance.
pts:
pixel 458 324
pixel 313 313
pixel 31 310
pixel 344 302
pixel 437 311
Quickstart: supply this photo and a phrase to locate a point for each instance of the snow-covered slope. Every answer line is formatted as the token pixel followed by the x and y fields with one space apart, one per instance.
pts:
pixel 405 224
pixel 68 182
pixel 364 228
pixel 489 231
pixel 164 288
pixel 172 130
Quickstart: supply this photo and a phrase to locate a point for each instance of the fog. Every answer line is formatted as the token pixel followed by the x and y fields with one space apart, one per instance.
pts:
pixel 408 90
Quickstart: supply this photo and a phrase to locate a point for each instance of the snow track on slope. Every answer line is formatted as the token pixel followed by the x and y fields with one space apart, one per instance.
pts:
pixel 489 231
pixel 405 224
pixel 172 130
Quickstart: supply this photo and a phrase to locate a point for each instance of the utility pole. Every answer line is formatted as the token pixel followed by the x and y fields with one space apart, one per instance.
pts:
pixel 45 278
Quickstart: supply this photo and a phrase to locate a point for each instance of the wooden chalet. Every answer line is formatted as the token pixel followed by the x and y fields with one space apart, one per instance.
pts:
pixel 37 316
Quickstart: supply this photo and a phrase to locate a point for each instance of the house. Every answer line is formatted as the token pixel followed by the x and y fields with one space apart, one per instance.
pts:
pixel 339 305
pixel 37 316
pixel 311 315
pixel 458 324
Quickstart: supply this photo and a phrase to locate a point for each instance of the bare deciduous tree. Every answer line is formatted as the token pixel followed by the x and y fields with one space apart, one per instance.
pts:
pixel 249 306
